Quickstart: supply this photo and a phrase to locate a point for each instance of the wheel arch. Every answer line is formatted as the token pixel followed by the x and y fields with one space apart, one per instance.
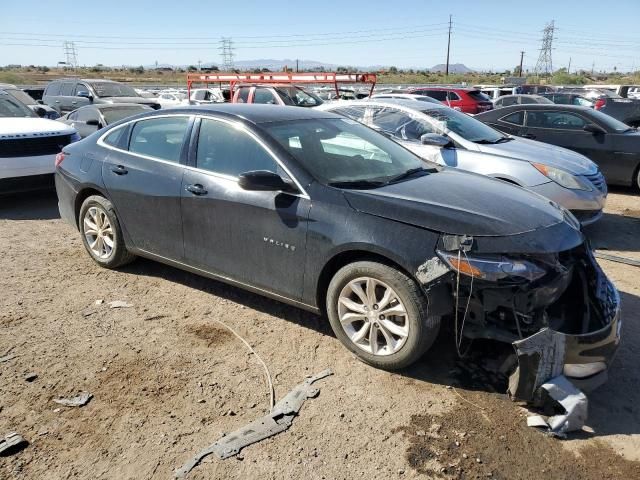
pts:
pixel 82 195
pixel 345 257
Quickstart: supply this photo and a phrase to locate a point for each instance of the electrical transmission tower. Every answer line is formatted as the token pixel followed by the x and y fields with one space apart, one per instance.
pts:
pixel 71 54
pixel 226 49
pixel 545 65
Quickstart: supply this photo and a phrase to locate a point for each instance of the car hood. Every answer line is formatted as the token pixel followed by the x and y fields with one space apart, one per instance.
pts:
pixel 25 127
pixel 456 202
pixel 532 151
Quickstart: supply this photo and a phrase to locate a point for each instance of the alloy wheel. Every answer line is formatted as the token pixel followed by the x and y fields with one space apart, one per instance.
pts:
pixel 98 232
pixel 373 316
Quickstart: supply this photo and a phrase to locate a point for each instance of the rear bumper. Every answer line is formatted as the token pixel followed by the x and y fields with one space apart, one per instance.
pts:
pixel 66 199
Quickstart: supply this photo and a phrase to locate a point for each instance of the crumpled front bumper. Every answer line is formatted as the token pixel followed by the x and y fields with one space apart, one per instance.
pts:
pixel 583 358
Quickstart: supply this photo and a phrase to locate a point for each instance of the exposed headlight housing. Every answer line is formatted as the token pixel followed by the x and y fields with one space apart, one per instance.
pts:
pixel 561 177
pixel 492 269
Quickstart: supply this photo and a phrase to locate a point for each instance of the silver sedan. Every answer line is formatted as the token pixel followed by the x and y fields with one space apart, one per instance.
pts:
pixel 442 135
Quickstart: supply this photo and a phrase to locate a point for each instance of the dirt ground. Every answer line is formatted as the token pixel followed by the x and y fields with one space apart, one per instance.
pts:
pixel 168 381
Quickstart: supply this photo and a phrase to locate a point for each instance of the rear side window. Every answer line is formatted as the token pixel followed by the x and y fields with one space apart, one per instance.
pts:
pixel 67 89
pixel 159 137
pixel 453 96
pixel 264 95
pixel 227 150
pixel 555 120
pixel 355 113
pixel 478 96
pixel 506 101
pixel 243 95
pixel 437 94
pixel 80 88
pixel 516 118
pixel 53 89
pixel 114 138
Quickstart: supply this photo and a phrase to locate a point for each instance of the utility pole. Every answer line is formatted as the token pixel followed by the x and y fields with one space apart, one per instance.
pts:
pixel 521 59
pixel 545 65
pixel 569 67
pixel 297 66
pixel 593 67
pixel 446 70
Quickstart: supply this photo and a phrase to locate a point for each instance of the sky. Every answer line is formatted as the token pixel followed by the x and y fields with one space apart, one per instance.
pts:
pixel 485 35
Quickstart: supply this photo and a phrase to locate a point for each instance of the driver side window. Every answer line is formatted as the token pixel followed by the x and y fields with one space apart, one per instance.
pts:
pixel 555 120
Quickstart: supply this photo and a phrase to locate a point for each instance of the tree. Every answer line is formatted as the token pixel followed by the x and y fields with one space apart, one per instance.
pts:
pixel 192 68
pixel 393 70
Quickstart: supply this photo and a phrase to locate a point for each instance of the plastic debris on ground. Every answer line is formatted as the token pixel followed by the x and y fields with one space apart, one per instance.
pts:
pixel 278 420
pixel 77 401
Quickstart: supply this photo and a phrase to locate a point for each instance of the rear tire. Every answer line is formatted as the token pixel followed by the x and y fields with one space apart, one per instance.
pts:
pixel 101 233
pixel 380 314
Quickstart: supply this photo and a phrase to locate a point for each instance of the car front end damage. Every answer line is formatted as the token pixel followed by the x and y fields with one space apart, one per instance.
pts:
pixel 557 308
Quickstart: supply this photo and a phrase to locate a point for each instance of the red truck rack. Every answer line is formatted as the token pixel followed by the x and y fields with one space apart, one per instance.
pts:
pixel 281 78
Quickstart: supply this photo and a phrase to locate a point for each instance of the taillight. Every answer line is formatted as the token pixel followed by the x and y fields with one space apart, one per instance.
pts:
pixel 59 159
pixel 601 102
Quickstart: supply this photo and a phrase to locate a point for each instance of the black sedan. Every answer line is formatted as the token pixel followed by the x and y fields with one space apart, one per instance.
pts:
pixel 612 145
pixel 326 214
pixel 91 118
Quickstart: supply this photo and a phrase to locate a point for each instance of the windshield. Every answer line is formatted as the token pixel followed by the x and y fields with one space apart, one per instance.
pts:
pixel 112 115
pixel 10 107
pixel 298 97
pixel 479 96
pixel 467 127
pixel 610 122
pixel 108 89
pixel 21 97
pixel 343 153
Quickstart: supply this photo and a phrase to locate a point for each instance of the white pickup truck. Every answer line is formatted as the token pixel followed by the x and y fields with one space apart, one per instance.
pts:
pixel 28 146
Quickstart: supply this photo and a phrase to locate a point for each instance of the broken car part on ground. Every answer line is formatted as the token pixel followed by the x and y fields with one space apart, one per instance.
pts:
pixel 278 420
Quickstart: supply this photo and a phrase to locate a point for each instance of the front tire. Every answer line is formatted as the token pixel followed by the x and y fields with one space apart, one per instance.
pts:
pixel 380 314
pixel 101 233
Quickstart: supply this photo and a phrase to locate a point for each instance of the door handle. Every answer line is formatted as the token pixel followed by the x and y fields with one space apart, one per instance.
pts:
pixel 196 189
pixel 119 170
pixel 57 101
pixel 73 103
pixel 530 136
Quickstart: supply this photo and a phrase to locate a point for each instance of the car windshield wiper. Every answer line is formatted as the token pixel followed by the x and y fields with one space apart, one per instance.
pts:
pixel 484 141
pixel 407 174
pixel 358 184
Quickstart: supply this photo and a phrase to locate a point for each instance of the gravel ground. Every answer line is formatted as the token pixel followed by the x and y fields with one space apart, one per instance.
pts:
pixel 167 380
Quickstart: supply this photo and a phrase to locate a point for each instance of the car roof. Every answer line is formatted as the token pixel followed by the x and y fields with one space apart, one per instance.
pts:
pixel 252 112
pixel 518 95
pixel 463 89
pixel 382 102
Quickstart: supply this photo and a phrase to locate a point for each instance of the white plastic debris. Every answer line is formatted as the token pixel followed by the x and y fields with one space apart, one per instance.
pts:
pixel 119 304
pixel 573 401
pixel 77 401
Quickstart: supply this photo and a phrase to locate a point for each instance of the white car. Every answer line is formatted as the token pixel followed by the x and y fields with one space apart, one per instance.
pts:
pixel 28 146
pixel 203 96
pixel 171 99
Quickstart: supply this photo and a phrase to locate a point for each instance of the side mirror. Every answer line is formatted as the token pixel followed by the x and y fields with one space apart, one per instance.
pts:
pixel 595 129
pixel 94 122
pixel 263 180
pixel 85 94
pixel 41 112
pixel 434 140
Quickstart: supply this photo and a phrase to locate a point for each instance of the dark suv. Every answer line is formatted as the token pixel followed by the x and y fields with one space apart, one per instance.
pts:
pixel 319 211
pixel 68 94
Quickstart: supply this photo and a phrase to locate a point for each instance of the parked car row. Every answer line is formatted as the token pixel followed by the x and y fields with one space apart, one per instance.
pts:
pixel 320 211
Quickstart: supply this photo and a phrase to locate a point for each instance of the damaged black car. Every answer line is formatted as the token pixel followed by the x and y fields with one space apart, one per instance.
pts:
pixel 321 212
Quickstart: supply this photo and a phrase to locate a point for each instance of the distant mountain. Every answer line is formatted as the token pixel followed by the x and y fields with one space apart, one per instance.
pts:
pixel 453 68
pixel 277 65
